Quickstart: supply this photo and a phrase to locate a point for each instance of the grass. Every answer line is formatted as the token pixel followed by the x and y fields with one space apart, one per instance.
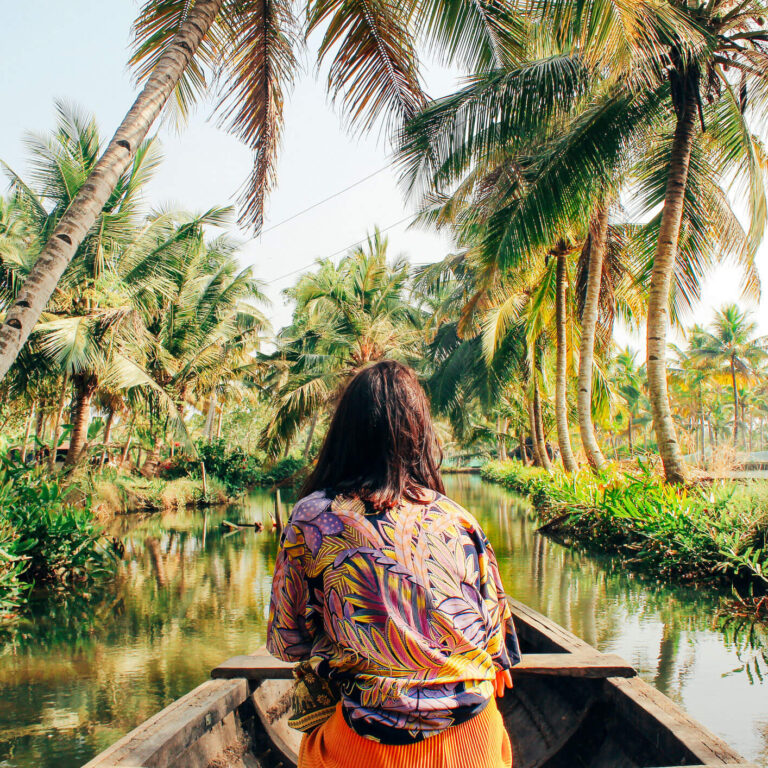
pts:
pixel 118 493
pixel 707 533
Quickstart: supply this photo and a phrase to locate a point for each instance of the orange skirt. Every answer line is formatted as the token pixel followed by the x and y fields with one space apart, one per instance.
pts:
pixel 481 742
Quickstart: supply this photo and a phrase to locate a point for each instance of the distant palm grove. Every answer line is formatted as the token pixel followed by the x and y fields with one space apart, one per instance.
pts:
pixel 591 170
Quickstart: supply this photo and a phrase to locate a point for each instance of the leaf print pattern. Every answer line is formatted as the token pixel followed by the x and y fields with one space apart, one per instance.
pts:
pixel 404 609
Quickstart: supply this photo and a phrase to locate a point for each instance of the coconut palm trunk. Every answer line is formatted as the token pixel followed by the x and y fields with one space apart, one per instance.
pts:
pixel 100 184
pixel 85 387
pixel 661 280
pixel 27 433
pixel 537 460
pixel 57 423
pixel 735 402
pixel 127 446
pixel 598 236
pixel 310 435
pixel 107 435
pixel 539 423
pixel 561 379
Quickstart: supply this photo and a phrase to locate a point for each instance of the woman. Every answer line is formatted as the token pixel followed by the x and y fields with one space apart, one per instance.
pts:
pixel 392 591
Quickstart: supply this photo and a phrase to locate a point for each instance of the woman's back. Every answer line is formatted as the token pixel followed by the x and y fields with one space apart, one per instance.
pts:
pixel 404 607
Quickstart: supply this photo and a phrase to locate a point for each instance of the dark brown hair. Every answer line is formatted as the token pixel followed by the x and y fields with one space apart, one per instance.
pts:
pixel 381 445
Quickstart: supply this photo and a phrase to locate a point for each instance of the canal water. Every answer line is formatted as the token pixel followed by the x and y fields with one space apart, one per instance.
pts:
pixel 86 671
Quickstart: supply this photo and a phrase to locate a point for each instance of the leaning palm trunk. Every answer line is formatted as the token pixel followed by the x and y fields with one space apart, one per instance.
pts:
pixel 661 280
pixel 100 184
pixel 596 244
pixel 81 414
pixel 561 380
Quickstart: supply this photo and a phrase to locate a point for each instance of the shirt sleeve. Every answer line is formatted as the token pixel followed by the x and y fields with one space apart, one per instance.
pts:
pixel 290 631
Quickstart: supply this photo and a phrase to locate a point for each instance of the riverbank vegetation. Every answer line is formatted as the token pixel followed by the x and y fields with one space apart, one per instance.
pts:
pixel 713 532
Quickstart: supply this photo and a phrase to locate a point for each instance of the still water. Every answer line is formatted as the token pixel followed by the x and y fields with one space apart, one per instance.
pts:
pixel 191 594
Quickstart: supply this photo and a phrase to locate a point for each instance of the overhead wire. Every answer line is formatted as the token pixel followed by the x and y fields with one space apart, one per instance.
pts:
pixel 337 253
pixel 324 200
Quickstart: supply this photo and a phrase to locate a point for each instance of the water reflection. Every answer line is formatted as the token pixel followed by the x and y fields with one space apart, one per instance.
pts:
pixel 191 593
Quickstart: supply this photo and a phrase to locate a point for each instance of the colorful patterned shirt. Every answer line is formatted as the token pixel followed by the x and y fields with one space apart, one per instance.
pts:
pixel 404 609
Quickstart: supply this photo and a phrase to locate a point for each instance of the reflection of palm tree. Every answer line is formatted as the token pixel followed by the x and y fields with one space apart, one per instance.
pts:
pixel 665 667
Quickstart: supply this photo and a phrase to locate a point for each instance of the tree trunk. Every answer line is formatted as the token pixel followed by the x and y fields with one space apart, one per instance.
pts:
pixel 57 424
pixel 149 469
pixel 218 422
pixel 561 379
pixel 39 434
pixel 27 433
pixel 310 435
pixel 629 435
pixel 539 421
pixel 210 416
pixel 596 243
pixel 504 428
pixel 127 446
pixel 523 449
pixel 85 386
pixel 100 184
pixel 537 460
pixel 107 433
pixel 735 403
pixel 661 280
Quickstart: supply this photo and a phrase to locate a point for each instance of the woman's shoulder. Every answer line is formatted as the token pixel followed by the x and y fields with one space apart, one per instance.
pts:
pixel 463 516
pixel 312 504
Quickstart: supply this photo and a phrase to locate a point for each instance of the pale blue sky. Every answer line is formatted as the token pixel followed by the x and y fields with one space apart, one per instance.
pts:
pixel 76 51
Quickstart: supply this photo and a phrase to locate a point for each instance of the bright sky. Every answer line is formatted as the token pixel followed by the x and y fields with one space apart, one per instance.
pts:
pixel 76 51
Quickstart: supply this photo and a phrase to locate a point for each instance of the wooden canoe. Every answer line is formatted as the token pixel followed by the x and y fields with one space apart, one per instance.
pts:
pixel 570 706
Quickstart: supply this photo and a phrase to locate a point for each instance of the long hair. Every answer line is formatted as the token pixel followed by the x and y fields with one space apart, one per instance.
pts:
pixel 381 445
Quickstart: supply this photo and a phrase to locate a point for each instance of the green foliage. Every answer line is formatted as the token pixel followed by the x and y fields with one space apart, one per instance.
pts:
pixel 44 540
pixel 701 533
pixel 234 467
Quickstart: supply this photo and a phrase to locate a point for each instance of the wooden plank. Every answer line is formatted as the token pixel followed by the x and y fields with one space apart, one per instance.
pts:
pixel 255 667
pixel 719 765
pixel 666 724
pixel 593 665
pixel 157 742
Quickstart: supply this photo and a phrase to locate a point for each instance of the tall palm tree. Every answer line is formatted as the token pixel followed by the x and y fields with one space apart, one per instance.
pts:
pixel 732 345
pixel 249 50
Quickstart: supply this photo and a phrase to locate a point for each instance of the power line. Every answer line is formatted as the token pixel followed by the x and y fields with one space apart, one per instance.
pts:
pixel 324 200
pixel 335 253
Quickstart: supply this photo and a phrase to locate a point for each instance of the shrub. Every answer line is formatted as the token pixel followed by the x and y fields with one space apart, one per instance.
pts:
pixel 235 468
pixel 46 541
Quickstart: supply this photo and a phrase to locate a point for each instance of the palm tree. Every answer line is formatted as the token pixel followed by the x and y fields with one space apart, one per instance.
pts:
pixel 88 323
pixel 250 51
pixel 346 317
pixel 731 345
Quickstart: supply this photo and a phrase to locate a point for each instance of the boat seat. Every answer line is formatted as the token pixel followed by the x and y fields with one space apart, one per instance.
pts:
pixel 262 666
